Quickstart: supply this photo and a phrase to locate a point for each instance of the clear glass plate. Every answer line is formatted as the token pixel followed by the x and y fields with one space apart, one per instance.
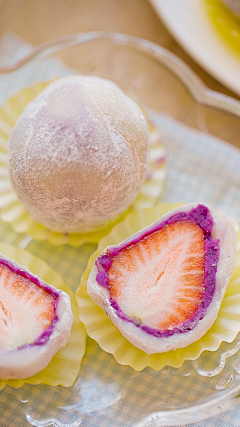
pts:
pixel 106 393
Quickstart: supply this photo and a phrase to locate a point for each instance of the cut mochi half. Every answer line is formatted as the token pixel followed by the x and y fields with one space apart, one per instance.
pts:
pixel 35 321
pixel 163 286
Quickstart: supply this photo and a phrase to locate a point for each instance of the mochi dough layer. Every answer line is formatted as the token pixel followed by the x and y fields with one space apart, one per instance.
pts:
pixel 78 154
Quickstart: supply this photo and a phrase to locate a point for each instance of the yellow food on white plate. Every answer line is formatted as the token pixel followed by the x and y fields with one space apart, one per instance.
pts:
pixel 233 5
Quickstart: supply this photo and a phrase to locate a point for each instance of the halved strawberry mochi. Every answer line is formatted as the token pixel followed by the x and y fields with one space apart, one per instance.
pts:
pixel 163 286
pixel 35 321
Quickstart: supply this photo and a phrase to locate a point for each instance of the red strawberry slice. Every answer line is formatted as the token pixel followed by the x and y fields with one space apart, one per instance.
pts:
pixel 26 309
pixel 160 279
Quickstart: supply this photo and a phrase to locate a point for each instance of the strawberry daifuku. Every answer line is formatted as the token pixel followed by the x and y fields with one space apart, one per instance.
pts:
pixel 78 154
pixel 35 321
pixel 163 286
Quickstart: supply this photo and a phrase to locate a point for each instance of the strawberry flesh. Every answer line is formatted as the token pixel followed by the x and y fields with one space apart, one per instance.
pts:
pixel 164 280
pixel 27 308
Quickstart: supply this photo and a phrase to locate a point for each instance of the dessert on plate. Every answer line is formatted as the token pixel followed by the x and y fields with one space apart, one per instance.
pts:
pixel 35 321
pixel 163 286
pixel 78 154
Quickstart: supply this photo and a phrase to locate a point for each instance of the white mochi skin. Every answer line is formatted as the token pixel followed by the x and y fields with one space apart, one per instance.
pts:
pixel 78 154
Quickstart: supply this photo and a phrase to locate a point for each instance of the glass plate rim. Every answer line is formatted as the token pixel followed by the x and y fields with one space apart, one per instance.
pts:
pixel 194 413
pixel 199 91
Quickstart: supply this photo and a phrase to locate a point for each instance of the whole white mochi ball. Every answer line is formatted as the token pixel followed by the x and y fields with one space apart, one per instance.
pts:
pixel 78 154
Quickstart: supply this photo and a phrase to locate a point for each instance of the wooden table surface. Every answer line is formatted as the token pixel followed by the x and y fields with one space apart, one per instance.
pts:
pixel 39 20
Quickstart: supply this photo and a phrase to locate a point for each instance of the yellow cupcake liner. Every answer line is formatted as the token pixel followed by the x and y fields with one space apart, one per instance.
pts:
pixel 65 365
pixel 101 329
pixel 13 211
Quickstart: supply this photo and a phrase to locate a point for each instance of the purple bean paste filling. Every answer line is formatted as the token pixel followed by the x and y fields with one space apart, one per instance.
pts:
pixel 200 216
pixel 44 337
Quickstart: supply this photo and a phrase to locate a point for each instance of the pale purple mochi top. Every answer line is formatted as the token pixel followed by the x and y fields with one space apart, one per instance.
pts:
pixel 199 215
pixel 44 337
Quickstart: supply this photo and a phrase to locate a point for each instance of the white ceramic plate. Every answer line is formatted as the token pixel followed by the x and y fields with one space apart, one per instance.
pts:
pixel 188 22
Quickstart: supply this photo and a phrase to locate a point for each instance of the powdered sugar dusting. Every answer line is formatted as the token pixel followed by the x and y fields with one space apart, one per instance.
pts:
pixel 78 154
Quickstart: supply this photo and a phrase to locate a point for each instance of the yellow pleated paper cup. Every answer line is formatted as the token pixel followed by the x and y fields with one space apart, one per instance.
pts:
pixel 12 210
pixel 65 365
pixel 101 329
